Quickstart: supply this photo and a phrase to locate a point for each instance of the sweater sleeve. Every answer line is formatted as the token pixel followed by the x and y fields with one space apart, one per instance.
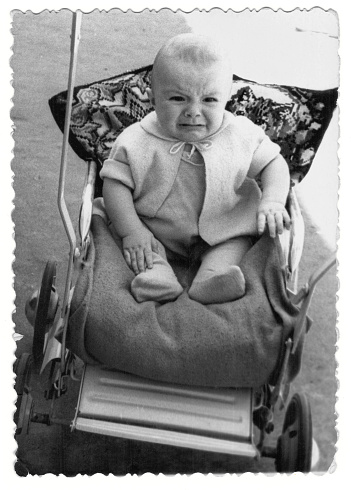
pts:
pixel 117 167
pixel 264 150
pixel 264 154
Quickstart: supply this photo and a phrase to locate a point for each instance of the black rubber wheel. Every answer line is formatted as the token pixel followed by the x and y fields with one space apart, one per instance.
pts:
pixel 42 310
pixel 23 369
pixel 23 414
pixel 294 449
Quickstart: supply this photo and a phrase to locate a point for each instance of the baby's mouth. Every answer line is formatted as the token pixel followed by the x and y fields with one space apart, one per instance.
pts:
pixel 192 125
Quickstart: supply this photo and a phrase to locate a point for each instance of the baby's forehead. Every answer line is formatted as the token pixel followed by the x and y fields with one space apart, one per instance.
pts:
pixel 181 71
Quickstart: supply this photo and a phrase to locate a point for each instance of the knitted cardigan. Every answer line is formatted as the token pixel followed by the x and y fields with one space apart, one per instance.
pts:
pixel 141 158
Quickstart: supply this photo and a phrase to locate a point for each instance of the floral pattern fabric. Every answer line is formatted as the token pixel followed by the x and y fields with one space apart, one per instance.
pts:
pixel 293 117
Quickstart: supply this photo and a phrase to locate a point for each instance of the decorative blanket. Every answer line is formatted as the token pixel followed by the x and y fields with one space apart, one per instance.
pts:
pixel 293 117
pixel 233 344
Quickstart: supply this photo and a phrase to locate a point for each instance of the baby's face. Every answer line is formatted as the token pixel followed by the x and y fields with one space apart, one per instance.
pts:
pixel 190 100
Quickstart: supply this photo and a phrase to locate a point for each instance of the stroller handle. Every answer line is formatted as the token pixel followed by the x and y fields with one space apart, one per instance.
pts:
pixel 67 222
pixel 76 22
pixel 304 296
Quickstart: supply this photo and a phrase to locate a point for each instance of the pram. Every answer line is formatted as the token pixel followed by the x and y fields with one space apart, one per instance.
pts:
pixel 226 435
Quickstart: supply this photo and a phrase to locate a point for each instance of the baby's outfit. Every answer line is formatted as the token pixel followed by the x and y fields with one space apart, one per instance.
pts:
pixel 186 191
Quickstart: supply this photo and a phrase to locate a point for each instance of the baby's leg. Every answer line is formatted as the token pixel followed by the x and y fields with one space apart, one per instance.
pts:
pixel 157 284
pixel 219 278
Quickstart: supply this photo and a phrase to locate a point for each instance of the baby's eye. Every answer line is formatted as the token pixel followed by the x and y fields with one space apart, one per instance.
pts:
pixel 210 99
pixel 177 98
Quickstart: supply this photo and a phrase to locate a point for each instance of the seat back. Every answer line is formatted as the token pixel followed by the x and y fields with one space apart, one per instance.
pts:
pixel 295 118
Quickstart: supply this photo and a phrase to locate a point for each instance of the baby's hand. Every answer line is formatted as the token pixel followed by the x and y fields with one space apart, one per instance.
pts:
pixel 274 215
pixel 138 248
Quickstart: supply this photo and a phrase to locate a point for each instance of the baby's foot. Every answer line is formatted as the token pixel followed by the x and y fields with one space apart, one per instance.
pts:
pixel 218 286
pixel 157 284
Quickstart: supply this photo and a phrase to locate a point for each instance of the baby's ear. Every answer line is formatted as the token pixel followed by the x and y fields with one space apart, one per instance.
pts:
pixel 151 96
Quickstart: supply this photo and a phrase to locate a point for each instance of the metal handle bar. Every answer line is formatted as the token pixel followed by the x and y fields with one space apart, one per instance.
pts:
pixel 67 222
pixel 305 296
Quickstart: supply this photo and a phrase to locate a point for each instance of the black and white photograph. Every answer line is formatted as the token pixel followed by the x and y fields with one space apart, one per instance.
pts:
pixel 175 179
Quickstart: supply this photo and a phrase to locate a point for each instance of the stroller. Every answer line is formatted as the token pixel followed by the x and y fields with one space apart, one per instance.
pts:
pixel 183 400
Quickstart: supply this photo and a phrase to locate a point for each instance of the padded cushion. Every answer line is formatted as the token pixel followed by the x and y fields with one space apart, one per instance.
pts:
pixel 293 117
pixel 239 343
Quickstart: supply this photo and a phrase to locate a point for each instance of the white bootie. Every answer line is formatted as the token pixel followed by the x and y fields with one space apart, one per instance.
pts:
pixel 157 284
pixel 210 286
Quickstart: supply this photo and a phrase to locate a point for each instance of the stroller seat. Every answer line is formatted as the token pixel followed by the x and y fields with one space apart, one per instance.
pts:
pixel 184 341
pixel 231 344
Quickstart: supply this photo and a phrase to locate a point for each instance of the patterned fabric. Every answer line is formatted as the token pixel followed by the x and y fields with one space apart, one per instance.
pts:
pixel 295 118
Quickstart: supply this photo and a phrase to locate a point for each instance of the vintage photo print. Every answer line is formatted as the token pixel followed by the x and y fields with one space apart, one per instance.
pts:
pixel 175 185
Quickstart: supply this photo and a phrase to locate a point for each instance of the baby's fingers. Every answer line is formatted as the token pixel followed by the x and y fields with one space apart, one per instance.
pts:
pixel 148 259
pixel 140 261
pixel 281 219
pixel 127 258
pixel 279 224
pixel 272 222
pixel 148 253
pixel 134 262
pixel 261 222
pixel 286 218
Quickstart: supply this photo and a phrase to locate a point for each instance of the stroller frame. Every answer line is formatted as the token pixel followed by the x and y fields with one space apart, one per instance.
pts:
pixel 127 406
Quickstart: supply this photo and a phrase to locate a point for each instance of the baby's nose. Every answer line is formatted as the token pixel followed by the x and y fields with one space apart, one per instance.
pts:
pixel 193 110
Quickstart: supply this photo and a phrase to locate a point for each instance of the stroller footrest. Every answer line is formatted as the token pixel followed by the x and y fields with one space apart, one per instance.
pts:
pixel 126 400
pixel 168 437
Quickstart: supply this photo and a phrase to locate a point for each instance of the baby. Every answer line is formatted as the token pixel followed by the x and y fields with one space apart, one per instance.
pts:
pixel 184 177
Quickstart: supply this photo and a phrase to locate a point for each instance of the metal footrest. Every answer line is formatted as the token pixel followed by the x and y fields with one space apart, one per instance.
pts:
pixel 128 406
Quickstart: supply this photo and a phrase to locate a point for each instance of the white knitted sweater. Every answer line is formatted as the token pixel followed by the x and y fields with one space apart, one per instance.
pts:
pixel 141 158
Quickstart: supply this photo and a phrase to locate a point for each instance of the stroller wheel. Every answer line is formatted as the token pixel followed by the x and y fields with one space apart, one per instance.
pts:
pixel 22 369
pixel 294 449
pixel 23 414
pixel 43 314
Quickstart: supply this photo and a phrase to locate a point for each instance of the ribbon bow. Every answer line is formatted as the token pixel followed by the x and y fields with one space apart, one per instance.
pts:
pixel 197 145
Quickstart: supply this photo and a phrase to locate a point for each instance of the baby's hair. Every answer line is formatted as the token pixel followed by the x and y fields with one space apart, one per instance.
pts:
pixel 191 48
